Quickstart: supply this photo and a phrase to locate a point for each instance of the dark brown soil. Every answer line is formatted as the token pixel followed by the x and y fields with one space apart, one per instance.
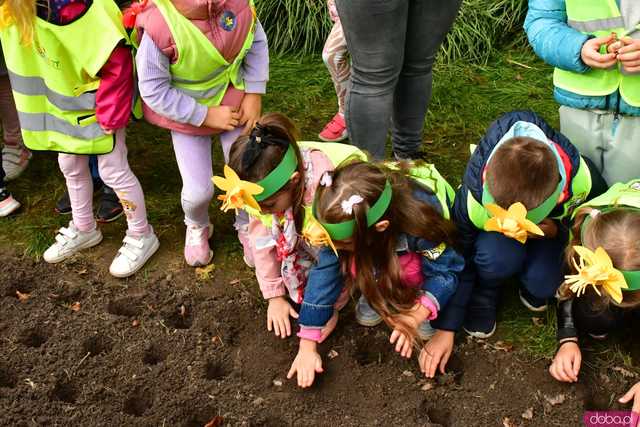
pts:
pixel 165 349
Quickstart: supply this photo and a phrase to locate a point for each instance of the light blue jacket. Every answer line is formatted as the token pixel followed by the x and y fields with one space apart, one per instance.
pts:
pixel 559 46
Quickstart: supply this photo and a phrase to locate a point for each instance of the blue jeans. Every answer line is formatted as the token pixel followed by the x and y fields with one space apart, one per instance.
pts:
pixel 538 264
pixel 393 46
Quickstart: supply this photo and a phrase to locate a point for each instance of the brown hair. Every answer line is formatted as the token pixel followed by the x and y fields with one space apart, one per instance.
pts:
pixel 617 232
pixel 376 262
pixel 266 157
pixel 522 170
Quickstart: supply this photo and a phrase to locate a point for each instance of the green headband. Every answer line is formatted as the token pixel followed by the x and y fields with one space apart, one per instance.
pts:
pixel 344 230
pixel 631 277
pixel 535 215
pixel 278 177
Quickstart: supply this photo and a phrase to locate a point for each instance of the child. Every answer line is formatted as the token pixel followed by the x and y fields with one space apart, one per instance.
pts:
pixel 606 235
pixel 598 88
pixel 15 157
pixel 10 128
pixel 335 57
pixel 288 175
pixel 396 247
pixel 202 67
pixel 86 104
pixel 526 166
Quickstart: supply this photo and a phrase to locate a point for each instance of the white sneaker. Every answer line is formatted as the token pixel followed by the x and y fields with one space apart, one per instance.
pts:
pixel 15 160
pixel 8 204
pixel 135 252
pixel 70 241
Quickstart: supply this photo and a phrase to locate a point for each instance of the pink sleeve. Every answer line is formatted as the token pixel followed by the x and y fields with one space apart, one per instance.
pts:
pixel 320 164
pixel 266 261
pixel 311 334
pixel 114 98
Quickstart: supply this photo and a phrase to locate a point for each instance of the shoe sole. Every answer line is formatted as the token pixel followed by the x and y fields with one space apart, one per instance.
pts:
pixel 532 308
pixel 89 244
pixel 154 249
pixel 346 136
pixel 12 208
pixel 481 335
pixel 108 220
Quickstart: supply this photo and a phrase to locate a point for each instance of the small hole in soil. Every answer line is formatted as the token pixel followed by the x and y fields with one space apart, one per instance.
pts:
pixel 7 378
pixel 195 417
pixel 34 337
pixel 64 391
pixel 269 421
pixel 433 414
pixel 22 287
pixel 96 345
pixel 595 400
pixel 180 318
pixel 137 403
pixel 154 355
pixel 67 293
pixel 124 307
pixel 214 371
pixel 366 354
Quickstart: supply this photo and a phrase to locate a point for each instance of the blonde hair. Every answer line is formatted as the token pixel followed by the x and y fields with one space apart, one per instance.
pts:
pixel 20 13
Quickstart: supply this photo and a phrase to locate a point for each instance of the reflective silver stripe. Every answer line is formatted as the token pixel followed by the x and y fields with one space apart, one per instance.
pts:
pixel 211 76
pixel 41 122
pixel 597 24
pixel 203 94
pixel 36 86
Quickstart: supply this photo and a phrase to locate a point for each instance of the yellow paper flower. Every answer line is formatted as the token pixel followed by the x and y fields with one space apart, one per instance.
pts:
pixel 512 223
pixel 316 235
pixel 596 269
pixel 239 193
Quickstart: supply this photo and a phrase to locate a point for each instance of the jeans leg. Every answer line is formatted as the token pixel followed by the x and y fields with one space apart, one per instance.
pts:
pixel 542 273
pixel 375 31
pixel 428 23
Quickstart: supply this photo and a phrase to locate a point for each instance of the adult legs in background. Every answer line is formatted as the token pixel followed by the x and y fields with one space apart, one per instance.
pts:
pixel 428 23
pixel 375 31
pixel 15 157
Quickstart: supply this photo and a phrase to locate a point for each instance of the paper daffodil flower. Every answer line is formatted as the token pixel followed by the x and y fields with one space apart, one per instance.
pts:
pixel 316 235
pixel 512 223
pixel 596 269
pixel 239 193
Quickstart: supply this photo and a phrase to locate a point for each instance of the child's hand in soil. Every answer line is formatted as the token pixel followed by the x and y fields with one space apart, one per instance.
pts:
pixel 278 314
pixel 566 365
pixel 222 117
pixel 436 353
pixel 329 327
pixel 306 364
pixel 633 393
pixel 629 54
pixel 404 343
pixel 250 110
pixel 592 57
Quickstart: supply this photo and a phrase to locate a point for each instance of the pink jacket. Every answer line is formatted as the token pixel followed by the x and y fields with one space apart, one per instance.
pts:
pixel 206 16
pixel 268 268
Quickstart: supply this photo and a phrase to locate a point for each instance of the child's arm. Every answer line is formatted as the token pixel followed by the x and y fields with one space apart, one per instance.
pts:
pixel 255 71
pixel 566 363
pixel 114 97
pixel 552 38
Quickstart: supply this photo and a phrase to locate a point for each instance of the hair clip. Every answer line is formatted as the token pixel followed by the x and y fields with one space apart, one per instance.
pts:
pixel 326 180
pixel 347 205
pixel 594 213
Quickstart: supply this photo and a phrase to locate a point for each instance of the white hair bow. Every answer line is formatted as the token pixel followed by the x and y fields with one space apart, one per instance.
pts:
pixel 326 180
pixel 347 205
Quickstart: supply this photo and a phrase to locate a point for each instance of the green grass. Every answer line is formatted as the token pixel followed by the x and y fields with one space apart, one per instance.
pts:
pixel 466 98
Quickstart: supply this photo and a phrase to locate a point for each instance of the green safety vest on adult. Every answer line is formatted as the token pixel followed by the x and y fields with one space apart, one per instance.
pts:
pixel 54 79
pixel 620 194
pixel 580 189
pixel 599 18
pixel 200 70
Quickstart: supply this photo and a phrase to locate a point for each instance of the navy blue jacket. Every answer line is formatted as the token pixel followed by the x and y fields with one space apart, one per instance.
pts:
pixel 452 316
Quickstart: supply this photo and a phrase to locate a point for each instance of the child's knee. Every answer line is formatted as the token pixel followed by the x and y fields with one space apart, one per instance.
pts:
pixel 497 257
pixel 73 166
pixel 193 198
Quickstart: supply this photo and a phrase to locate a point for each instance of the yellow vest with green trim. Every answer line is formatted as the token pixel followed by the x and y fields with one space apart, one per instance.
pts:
pixel 598 18
pixel 55 78
pixel 620 194
pixel 200 70
pixel 580 189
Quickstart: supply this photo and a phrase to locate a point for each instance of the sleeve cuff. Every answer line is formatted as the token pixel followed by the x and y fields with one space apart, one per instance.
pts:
pixel 312 334
pixel 199 115
pixel 273 293
pixel 427 303
pixel 259 88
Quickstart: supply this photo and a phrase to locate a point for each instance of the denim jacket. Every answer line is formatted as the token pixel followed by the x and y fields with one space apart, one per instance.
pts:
pixel 439 268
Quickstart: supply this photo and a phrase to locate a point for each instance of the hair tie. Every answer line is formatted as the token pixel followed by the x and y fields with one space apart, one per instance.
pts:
pixel 347 205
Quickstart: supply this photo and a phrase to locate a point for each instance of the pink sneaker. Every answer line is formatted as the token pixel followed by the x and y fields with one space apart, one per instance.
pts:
pixel 335 130
pixel 197 252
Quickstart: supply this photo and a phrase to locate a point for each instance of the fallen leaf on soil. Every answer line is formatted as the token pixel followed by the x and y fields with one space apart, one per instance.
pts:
pixel 528 414
pixel 624 372
pixel 135 323
pixel 503 346
pixel 277 383
pixel 75 306
pixel 408 374
pixel 556 400
pixel 332 354
pixel 537 321
pixel 204 273
pixel 31 383
pixel 83 271
pixel 216 422
pixel 234 282
pixel 427 387
pixel 22 297
pixel 506 422
pixel 182 310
